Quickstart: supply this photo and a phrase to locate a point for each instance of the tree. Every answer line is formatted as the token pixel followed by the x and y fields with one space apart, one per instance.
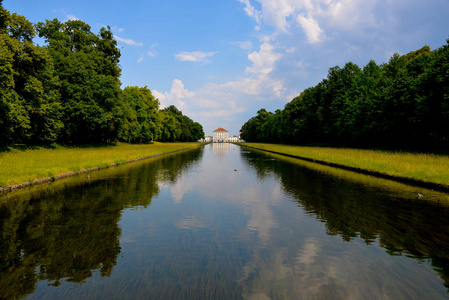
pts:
pixel 170 127
pixel 29 100
pixel 140 120
pixel 88 70
pixel 177 127
pixel 401 104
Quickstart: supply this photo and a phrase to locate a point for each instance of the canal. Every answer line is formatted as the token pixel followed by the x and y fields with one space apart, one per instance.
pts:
pixel 224 222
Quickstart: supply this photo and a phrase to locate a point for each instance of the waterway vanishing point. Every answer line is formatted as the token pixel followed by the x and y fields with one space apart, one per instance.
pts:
pixel 224 222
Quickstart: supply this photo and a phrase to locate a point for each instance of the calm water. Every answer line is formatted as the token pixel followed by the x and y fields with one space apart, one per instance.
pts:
pixel 224 222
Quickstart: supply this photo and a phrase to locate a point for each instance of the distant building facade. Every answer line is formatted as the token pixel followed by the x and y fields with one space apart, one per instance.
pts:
pixel 220 135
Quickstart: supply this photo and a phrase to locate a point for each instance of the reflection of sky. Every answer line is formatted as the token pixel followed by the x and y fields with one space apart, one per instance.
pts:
pixel 221 201
pixel 226 221
pixel 221 179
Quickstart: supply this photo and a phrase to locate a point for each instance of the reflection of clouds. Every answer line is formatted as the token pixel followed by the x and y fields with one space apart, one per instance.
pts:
pixel 180 188
pixel 258 205
pixel 219 180
pixel 308 253
pixel 281 276
pixel 262 274
pixel 277 194
pixel 190 223
pixel 317 272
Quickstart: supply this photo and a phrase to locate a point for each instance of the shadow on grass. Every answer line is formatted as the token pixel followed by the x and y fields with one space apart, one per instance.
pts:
pixel 24 147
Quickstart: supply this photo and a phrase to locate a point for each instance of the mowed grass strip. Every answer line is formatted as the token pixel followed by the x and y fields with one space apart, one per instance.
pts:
pixel 416 166
pixel 17 166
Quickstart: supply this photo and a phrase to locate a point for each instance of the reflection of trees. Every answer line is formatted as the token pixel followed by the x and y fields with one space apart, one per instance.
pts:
pixel 54 234
pixel 403 224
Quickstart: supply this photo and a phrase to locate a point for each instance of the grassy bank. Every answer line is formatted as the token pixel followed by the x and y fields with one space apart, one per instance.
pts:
pixel 17 166
pixel 426 168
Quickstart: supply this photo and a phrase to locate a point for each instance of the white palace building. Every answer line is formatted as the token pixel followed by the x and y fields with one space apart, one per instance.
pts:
pixel 221 135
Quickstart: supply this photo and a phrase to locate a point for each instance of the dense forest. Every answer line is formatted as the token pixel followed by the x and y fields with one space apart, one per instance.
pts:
pixel 69 90
pixel 402 104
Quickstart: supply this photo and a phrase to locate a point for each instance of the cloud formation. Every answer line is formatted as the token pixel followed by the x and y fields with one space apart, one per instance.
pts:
pixel 128 41
pixel 72 18
pixel 252 12
pixel 176 95
pixel 246 45
pixel 313 17
pixel 263 60
pixel 194 56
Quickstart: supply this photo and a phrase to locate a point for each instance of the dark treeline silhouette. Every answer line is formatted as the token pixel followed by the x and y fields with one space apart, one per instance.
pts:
pixel 400 104
pixel 68 91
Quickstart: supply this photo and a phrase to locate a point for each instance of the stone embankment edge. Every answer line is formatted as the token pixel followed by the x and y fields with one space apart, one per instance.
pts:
pixel 11 188
pixel 411 181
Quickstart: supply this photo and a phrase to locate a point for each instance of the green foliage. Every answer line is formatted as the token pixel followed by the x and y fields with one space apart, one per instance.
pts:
pixel 401 104
pixel 69 90
pixel 29 107
pixel 88 70
pixel 177 127
pixel 140 120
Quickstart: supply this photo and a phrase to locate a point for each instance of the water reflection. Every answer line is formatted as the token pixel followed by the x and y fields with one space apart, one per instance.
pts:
pixel 221 148
pixel 66 234
pixel 353 206
pixel 224 223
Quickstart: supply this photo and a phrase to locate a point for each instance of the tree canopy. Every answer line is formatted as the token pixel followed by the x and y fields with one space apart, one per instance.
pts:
pixel 69 90
pixel 400 104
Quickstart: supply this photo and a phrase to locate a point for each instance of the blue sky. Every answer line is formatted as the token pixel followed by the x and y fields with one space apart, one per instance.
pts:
pixel 220 61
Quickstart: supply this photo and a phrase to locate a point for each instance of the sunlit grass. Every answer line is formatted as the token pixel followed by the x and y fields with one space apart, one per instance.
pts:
pixel 423 167
pixel 18 166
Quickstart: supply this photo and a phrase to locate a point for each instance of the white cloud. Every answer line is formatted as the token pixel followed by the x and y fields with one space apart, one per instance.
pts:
pixel 252 13
pixel 72 18
pixel 140 59
pixel 311 28
pixel 176 95
pixel 314 17
pixel 276 12
pixel 246 45
pixel 225 103
pixel 194 56
pixel 115 28
pixel 152 52
pixel 128 41
pixel 223 114
pixel 264 60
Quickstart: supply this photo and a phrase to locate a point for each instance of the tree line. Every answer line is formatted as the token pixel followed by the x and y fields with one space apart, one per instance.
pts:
pixel 68 91
pixel 400 104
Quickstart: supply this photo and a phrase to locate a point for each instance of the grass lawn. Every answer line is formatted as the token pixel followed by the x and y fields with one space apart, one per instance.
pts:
pixel 18 166
pixel 421 167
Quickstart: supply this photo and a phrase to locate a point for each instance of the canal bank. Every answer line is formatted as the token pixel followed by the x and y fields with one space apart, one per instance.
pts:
pixel 23 169
pixel 424 170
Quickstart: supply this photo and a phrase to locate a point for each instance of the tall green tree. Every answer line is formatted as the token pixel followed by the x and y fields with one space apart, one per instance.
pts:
pixel 170 127
pixel 140 120
pixel 178 127
pixel 88 71
pixel 29 98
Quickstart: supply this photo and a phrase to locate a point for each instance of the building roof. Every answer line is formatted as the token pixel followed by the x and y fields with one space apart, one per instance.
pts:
pixel 220 129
